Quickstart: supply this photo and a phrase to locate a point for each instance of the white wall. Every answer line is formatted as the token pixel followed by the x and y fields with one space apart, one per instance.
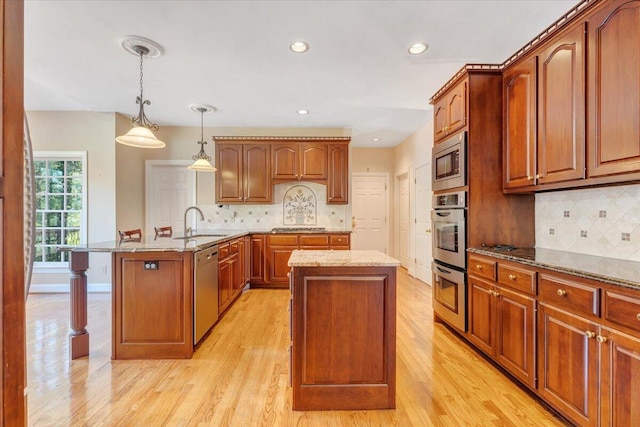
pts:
pixel 93 133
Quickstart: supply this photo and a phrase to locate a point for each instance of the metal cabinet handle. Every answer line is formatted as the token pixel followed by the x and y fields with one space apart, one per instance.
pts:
pixel 590 334
pixel 601 339
pixel 562 292
pixel 479 267
pixel 638 316
pixel 512 277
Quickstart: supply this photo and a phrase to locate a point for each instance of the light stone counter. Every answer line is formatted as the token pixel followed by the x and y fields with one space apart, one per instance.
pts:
pixel 351 258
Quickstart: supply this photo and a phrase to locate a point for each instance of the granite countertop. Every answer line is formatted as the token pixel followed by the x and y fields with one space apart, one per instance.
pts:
pixel 329 258
pixel 608 270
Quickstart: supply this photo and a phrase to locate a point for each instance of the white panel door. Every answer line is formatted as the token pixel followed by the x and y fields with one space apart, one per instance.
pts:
pixel 369 210
pixel 403 220
pixel 423 223
pixel 172 191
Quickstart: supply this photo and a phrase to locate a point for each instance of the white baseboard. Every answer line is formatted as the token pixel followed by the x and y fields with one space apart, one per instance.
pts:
pixel 58 288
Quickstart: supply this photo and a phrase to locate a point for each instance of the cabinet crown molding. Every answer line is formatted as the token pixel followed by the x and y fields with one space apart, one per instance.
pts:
pixel 283 138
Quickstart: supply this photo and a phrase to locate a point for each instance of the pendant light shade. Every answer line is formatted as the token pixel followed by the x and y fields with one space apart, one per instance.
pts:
pixel 141 133
pixel 202 162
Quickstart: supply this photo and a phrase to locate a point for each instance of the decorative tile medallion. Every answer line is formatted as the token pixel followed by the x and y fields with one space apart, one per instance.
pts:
pixel 299 204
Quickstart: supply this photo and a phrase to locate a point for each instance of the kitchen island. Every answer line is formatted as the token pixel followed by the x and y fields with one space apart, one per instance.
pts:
pixel 343 327
pixel 152 294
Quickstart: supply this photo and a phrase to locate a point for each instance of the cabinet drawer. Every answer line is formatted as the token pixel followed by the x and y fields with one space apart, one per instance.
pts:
pixel 621 309
pixel 283 240
pixel 314 240
pixel 223 251
pixel 483 267
pixel 578 298
pixel 233 247
pixel 339 240
pixel 517 278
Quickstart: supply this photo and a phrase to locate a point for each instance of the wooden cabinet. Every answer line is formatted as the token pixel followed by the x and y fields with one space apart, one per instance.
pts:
pixel 278 248
pixel 501 318
pixel 359 372
pixel 231 271
pixel 561 109
pixel 450 112
pixel 614 89
pixel 258 259
pixel 299 161
pixel 152 305
pixel 244 174
pixel 338 174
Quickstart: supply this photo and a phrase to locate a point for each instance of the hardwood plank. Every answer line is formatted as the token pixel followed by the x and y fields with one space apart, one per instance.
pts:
pixel 239 374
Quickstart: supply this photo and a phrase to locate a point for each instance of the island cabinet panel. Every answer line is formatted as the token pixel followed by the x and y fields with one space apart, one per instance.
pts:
pixel 614 87
pixel 561 109
pixel 568 371
pixel 153 307
pixel 519 141
pixel 343 346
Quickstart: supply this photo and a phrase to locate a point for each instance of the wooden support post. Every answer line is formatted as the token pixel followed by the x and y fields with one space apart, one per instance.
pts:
pixel 78 337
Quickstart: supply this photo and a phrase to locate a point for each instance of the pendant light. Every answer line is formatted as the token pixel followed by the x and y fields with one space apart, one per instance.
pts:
pixel 202 162
pixel 140 135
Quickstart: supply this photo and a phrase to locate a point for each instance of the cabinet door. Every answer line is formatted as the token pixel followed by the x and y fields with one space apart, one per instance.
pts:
pixel 561 109
pixel 338 174
pixel 257 266
pixel 614 89
pixel 482 314
pixel 440 119
pixel 239 282
pixel 620 380
pixel 229 173
pixel 515 335
pixel 257 173
pixel 568 364
pixel 236 274
pixel 246 267
pixel 519 142
pixel 224 285
pixel 285 161
pixel 278 259
pixel 313 161
pixel 457 108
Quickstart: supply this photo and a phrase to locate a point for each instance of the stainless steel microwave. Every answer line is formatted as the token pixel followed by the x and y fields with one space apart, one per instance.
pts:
pixel 449 164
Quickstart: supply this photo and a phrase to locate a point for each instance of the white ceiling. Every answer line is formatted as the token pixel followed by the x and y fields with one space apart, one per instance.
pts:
pixel 235 55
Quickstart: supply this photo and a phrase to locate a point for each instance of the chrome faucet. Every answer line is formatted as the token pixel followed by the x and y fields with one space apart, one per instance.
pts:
pixel 188 232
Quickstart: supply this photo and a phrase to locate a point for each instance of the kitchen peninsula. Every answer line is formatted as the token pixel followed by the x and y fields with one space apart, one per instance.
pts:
pixel 167 292
pixel 343 329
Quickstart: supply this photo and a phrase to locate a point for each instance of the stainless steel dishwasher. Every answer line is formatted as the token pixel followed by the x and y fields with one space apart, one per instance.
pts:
pixel 205 292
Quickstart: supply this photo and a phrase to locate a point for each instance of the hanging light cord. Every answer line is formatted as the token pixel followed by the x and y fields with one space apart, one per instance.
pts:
pixel 202 142
pixel 141 119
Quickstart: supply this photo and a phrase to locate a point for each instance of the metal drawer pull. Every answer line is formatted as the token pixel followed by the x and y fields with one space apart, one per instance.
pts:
pixel 638 316
pixel 479 267
pixel 601 339
pixel 512 277
pixel 562 292
pixel 590 334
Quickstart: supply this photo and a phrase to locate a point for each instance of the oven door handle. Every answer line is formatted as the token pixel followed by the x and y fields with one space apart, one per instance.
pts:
pixel 441 270
pixel 443 214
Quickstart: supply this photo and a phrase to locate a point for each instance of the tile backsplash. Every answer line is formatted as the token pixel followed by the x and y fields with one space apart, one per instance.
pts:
pixel 596 221
pixel 278 214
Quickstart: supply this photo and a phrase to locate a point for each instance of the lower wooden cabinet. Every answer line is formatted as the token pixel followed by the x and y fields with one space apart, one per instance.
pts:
pixel 502 324
pixel 231 271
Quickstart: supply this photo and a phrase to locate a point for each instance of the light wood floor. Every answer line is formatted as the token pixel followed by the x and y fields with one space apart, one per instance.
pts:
pixel 239 375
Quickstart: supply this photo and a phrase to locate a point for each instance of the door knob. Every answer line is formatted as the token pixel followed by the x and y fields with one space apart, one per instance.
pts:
pixel 428 230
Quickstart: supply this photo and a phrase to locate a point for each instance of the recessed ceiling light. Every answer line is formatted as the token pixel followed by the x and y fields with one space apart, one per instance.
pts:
pixel 299 47
pixel 418 48
pixel 375 139
pixel 303 112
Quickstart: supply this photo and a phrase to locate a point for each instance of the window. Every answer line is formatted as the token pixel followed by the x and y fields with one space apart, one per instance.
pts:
pixel 61 206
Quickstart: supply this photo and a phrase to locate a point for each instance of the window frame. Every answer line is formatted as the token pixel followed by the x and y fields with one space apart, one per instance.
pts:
pixel 63 266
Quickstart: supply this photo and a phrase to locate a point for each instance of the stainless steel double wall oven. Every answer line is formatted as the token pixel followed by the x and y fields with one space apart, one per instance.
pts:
pixel 450 231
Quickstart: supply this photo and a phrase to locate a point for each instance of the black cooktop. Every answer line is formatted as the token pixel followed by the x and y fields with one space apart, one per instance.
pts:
pixel 297 229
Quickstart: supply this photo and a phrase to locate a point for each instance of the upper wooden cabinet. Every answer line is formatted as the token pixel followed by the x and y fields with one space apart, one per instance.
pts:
pixel 338 174
pixel 545 142
pixel 243 174
pixel 295 161
pixel 450 112
pixel 614 89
